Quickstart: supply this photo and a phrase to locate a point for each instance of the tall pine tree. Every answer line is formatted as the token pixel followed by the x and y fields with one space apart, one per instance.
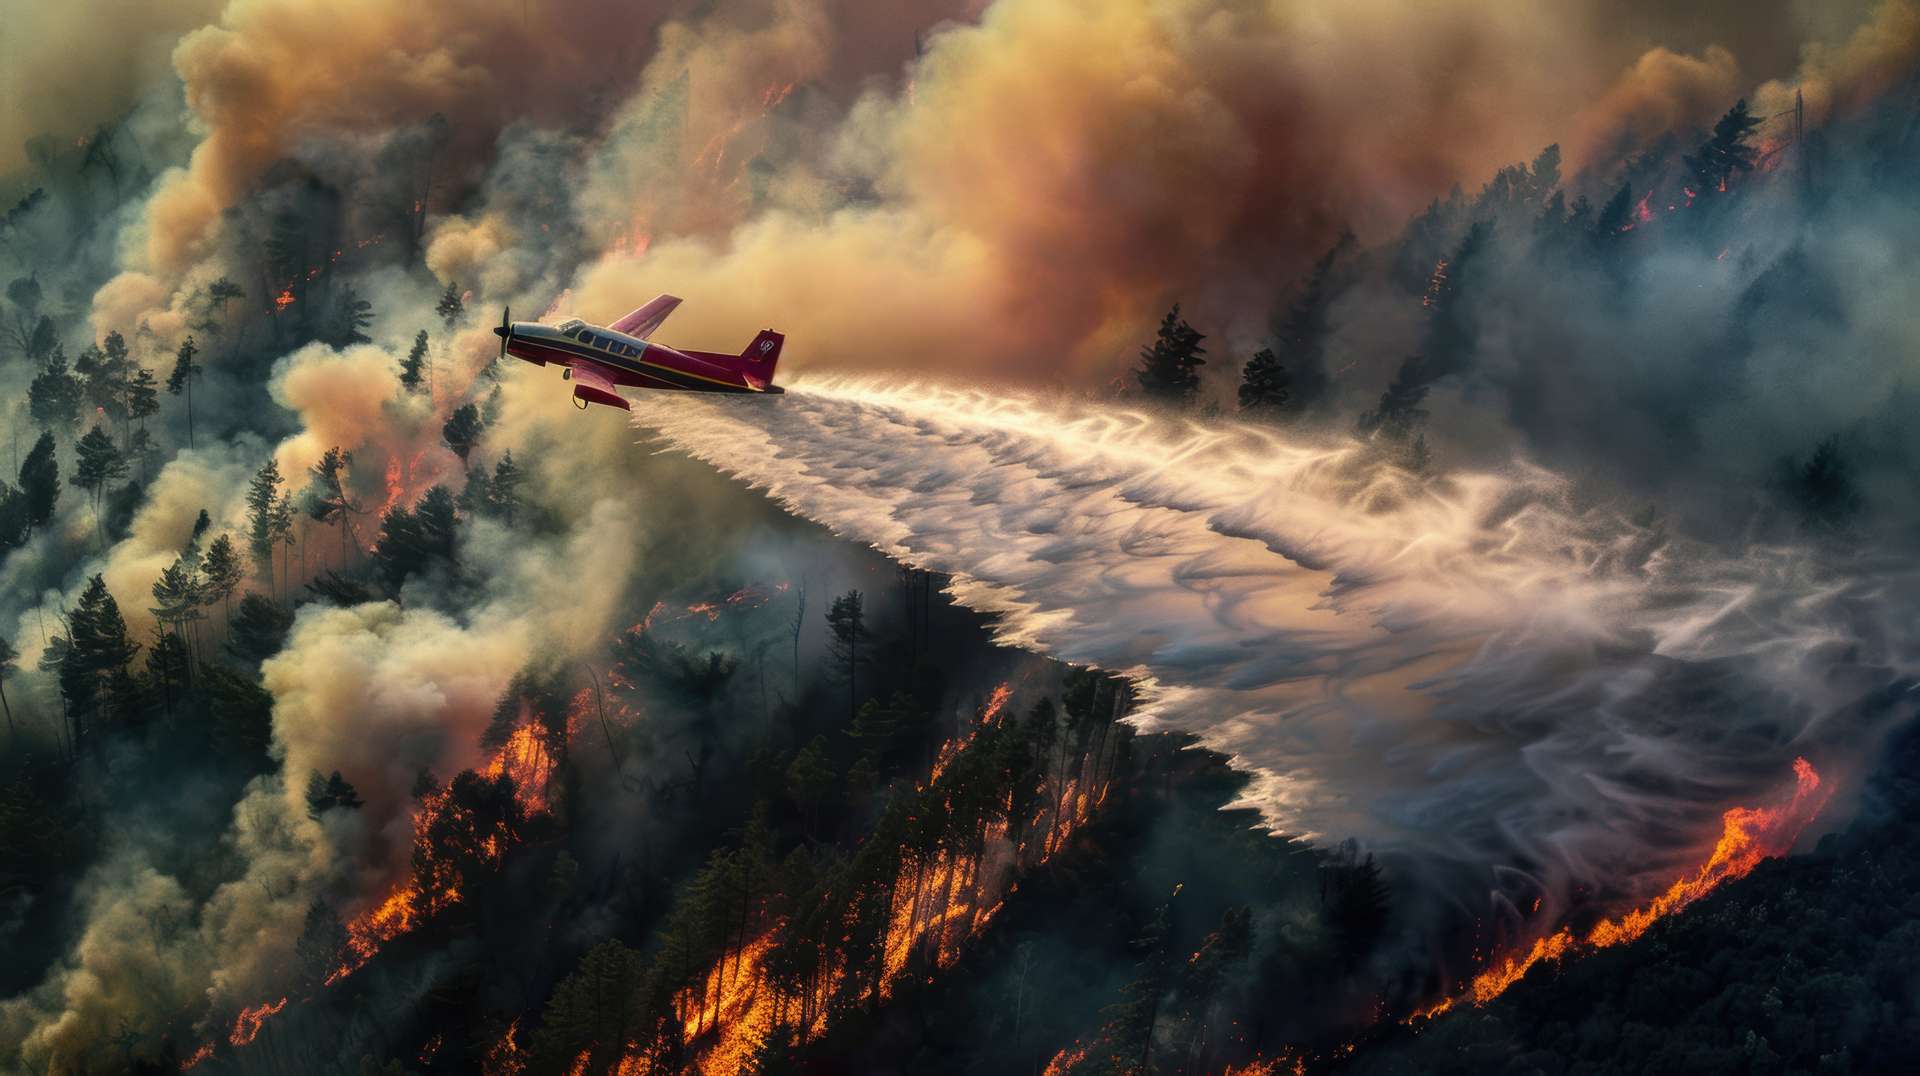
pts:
pixel 1169 368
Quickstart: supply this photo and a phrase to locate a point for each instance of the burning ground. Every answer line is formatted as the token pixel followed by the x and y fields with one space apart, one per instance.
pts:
pixel 1549 576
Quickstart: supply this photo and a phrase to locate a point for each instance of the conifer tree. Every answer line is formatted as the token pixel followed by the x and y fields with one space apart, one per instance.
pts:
pixel 1169 367
pixel 347 321
pixel 1726 151
pixel 93 665
pixel 504 490
pixel 1300 337
pixel 413 367
pixel 40 481
pixel 451 306
pixel 143 395
pixel 185 372
pixel 223 572
pixel 53 397
pixel 328 500
pixel 462 430
pixel 332 792
pixel 846 620
pixel 1265 387
pixel 262 492
pixel 98 463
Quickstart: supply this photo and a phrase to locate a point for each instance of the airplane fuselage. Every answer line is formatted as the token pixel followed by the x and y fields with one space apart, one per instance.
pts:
pixel 624 359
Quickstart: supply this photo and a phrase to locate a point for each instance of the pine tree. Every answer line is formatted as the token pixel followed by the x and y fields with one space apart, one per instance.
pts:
pixel 143 395
pixel 258 629
pixel 349 318
pixel 104 373
pixel 328 500
pixel 178 595
pixel 846 620
pixel 223 572
pixel 451 306
pixel 1359 900
pixel 40 481
pixel 167 664
pixel 1726 151
pixel 504 490
pixel 323 938
pixel 810 779
pixel 53 397
pixel 262 492
pixel 1616 216
pixel 1399 411
pixel 413 367
pixel 185 372
pixel 219 294
pixel 462 430
pixel 191 551
pixel 14 530
pixel 283 517
pixel 1128 1032
pixel 1264 385
pixel 1823 490
pixel 142 450
pixel 98 463
pixel 329 793
pixel 1169 368
pixel 93 668
pixel 1300 338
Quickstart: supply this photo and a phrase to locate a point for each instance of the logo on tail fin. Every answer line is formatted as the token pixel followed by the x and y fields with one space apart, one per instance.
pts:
pixel 766 346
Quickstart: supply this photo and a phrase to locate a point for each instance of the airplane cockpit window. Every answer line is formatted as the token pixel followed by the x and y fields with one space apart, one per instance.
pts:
pixel 571 327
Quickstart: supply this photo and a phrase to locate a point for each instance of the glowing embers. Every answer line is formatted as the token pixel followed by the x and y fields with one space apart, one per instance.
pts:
pixel 1748 836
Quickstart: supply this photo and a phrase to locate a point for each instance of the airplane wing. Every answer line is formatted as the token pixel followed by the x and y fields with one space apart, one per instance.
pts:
pixel 592 384
pixel 647 318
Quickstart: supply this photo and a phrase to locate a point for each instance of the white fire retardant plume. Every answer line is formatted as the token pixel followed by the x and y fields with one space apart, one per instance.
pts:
pixel 1473 673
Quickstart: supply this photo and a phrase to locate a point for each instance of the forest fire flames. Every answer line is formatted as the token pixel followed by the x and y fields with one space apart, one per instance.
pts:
pixel 1749 835
pixel 934 902
pixel 246 1026
pixel 527 760
pixel 751 596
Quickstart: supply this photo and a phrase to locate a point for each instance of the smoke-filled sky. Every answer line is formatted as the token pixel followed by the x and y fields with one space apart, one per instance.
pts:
pixel 967 193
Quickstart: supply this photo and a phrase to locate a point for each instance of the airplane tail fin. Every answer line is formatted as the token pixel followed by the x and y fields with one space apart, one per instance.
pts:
pixel 760 356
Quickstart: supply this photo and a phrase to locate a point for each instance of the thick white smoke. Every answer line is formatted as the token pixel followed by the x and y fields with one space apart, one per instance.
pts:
pixel 1477 671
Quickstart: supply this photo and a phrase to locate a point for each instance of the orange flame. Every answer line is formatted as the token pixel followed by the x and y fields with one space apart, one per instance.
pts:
pixel 205 1051
pixel 1064 1061
pixel 1748 836
pixel 523 758
pixel 937 904
pixel 246 1026
pixel 504 1058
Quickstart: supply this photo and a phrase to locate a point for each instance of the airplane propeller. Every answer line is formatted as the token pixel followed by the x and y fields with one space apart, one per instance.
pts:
pixel 505 331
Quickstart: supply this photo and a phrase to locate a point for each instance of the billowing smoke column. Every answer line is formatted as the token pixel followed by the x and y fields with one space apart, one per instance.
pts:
pixel 1475 671
pixel 1472 673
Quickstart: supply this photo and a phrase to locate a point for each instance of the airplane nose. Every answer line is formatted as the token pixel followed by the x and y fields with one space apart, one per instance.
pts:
pixel 500 331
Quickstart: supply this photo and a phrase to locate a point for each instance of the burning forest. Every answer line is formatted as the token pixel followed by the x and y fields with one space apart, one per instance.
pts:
pixel 1283 539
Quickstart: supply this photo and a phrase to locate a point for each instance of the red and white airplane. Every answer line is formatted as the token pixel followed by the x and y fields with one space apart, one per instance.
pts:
pixel 598 360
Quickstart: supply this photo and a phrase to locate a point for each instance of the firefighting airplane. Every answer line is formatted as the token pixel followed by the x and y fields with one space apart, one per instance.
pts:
pixel 599 360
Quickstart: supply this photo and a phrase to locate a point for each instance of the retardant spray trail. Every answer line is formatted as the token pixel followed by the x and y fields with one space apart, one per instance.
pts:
pixel 1470 672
